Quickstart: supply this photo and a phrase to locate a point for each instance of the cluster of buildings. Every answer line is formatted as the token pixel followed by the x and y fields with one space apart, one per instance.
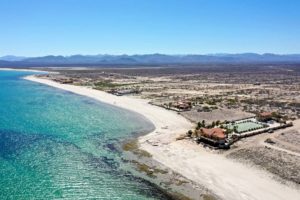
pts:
pixel 222 136
pixel 122 92
pixel 183 105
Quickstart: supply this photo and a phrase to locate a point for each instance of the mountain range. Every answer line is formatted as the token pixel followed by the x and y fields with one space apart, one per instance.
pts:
pixel 147 59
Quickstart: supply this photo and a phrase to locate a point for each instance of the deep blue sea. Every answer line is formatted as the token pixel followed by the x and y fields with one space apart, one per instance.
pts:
pixel 58 145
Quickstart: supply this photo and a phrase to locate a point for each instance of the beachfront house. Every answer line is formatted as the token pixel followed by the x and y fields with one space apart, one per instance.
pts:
pixel 183 105
pixel 212 136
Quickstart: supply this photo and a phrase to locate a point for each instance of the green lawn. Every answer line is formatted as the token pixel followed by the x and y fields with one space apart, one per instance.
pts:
pixel 245 126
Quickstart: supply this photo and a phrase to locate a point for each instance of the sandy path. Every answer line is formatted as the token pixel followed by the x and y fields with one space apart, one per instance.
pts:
pixel 279 148
pixel 287 144
pixel 226 178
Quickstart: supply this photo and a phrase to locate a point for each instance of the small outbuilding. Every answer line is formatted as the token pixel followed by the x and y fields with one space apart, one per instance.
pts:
pixel 265 116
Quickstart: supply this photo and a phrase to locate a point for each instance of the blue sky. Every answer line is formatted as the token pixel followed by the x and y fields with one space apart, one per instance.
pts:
pixel 65 27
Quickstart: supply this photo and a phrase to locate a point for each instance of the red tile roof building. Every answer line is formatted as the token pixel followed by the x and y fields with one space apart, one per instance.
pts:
pixel 265 114
pixel 213 133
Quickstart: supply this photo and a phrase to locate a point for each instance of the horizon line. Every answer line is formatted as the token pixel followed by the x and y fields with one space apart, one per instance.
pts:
pixel 137 54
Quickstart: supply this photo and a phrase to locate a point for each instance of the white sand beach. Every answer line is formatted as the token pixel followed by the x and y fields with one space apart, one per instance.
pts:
pixel 226 178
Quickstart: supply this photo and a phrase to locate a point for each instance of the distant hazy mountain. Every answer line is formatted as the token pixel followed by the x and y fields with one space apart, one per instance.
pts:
pixel 147 59
pixel 12 58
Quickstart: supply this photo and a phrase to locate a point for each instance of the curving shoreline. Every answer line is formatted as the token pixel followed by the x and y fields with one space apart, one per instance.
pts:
pixel 226 178
pixel 165 122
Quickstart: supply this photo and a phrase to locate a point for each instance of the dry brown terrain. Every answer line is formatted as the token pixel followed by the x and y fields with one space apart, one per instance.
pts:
pixel 250 89
pixel 278 153
pixel 218 114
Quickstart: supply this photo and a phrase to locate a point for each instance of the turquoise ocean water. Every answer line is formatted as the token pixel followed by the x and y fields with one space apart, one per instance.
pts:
pixel 58 145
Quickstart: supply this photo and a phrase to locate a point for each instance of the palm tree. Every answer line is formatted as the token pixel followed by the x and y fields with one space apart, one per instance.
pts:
pixel 213 124
pixel 228 131
pixel 235 129
pixel 199 125
pixel 203 123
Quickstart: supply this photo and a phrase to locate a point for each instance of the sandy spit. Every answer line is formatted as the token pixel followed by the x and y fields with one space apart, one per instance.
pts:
pixel 23 70
pixel 226 178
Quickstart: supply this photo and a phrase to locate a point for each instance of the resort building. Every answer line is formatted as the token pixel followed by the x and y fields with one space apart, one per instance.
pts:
pixel 213 136
pixel 213 133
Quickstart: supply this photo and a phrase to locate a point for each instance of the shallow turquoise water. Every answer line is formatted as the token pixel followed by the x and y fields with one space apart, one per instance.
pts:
pixel 58 145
